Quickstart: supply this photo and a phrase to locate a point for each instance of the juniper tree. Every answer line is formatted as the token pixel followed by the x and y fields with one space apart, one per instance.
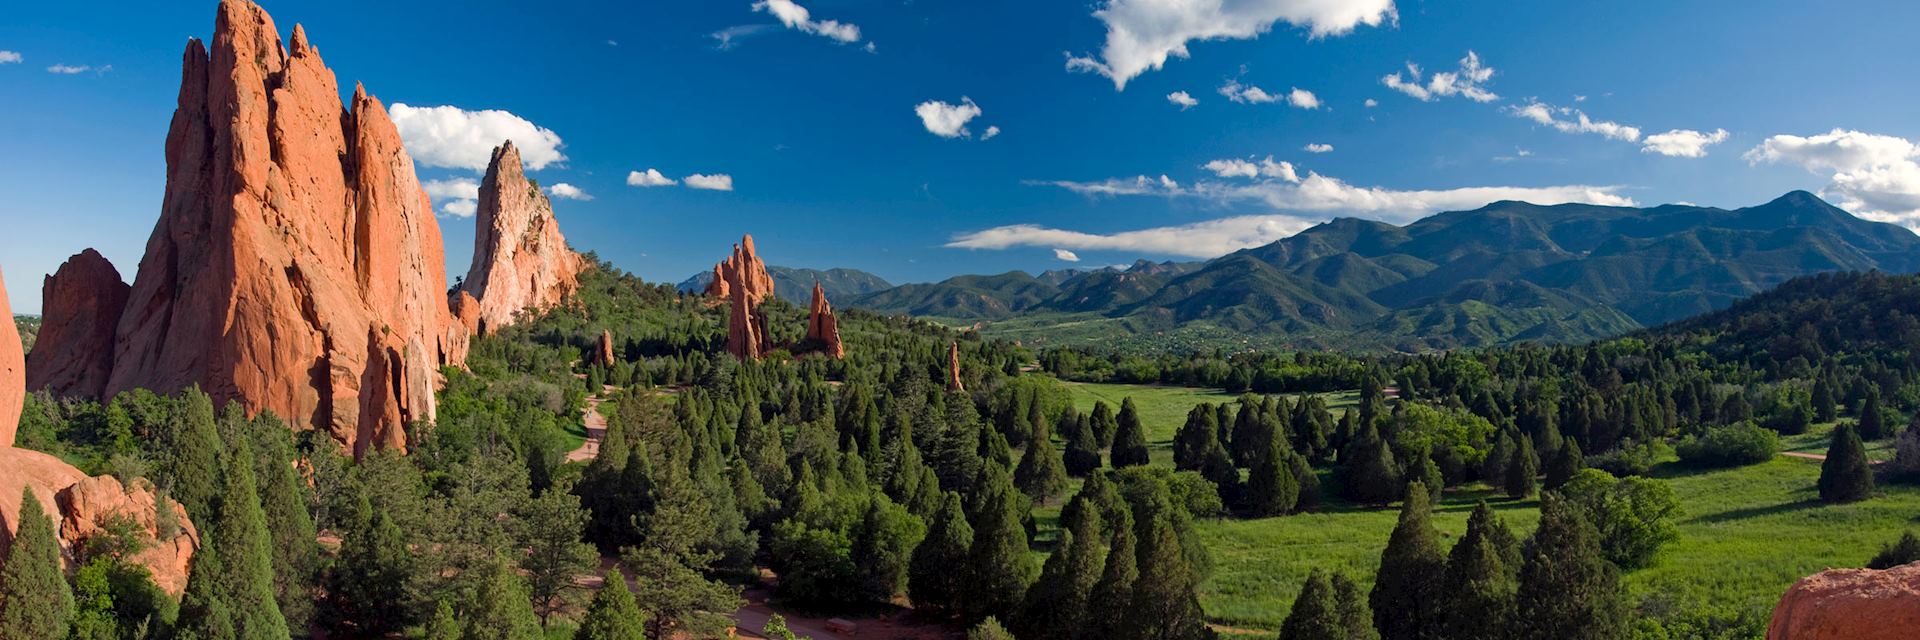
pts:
pixel 237 580
pixel 1873 422
pixel 935 576
pixel 1271 487
pixel 1112 598
pixel 191 469
pixel 368 590
pixel 1421 468
pixel 283 501
pixel 1082 456
pixel 1355 617
pixel 502 608
pixel 989 629
pixel 1845 476
pixel 1478 587
pixel 1906 551
pixel 613 615
pixel 34 599
pixel 1307 480
pixel 1130 437
pixel 1407 597
pixel 1165 600
pixel 1567 589
pixel 999 564
pixel 1041 474
pixel 444 625
pixel 1369 475
pixel 1315 614
pixel 1056 605
pixel 1522 470
pixel 1567 462
pixel 1103 424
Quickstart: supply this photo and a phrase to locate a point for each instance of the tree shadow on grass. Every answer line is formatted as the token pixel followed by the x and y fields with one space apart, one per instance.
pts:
pixel 1755 512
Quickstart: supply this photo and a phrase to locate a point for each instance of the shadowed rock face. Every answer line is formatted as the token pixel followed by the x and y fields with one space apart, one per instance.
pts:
pixel 13 377
pixel 822 327
pixel 520 260
pixel 296 265
pixel 82 302
pixel 1850 604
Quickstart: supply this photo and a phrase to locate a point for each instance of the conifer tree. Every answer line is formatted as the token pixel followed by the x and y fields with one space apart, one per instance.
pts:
pixel 1129 438
pixel 989 629
pixel 34 599
pixel 1166 601
pixel 1478 586
pixel 551 529
pixel 1355 617
pixel 1521 471
pixel 999 566
pixel 1407 598
pixel 1056 605
pixel 1082 456
pixel 1271 487
pixel 1369 475
pixel 1567 462
pixel 368 588
pixel 1567 589
pixel 1906 551
pixel 238 577
pixel 1111 602
pixel 1103 424
pixel 502 609
pixel 1493 469
pixel 935 578
pixel 1422 469
pixel 192 470
pixel 443 625
pixel 1873 422
pixel 1315 614
pixel 283 501
pixel 1041 474
pixel 1823 400
pixel 1195 438
pixel 1845 476
pixel 1307 480
pixel 613 614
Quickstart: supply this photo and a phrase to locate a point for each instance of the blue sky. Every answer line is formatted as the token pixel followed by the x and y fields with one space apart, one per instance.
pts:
pixel 831 163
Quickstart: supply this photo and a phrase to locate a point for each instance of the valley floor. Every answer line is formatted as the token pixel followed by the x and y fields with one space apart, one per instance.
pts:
pixel 1746 534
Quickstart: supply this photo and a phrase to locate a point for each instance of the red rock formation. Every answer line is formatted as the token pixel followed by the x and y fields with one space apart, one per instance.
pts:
pixel 953 368
pixel 82 303
pixel 79 506
pixel 1850 604
pixel 13 378
pixel 822 326
pixel 746 328
pixel 520 260
pixel 742 270
pixel 603 351
pixel 296 265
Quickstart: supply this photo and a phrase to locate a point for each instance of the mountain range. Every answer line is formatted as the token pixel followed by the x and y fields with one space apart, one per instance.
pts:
pixel 796 285
pixel 1503 273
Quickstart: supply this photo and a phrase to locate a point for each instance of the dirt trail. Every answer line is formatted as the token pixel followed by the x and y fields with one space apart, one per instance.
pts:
pixel 596 431
pixel 1809 456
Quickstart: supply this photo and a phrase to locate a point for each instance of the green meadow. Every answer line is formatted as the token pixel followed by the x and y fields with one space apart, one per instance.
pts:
pixel 1746 534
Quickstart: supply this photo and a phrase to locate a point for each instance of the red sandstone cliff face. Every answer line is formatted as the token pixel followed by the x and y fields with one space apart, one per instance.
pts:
pixel 742 270
pixel 13 376
pixel 822 326
pixel 1850 604
pixel 520 260
pixel 747 328
pixel 296 265
pixel 82 304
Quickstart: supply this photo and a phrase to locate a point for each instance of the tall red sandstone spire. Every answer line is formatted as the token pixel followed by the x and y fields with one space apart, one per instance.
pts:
pixel 296 265
pixel 953 368
pixel 746 328
pixel 822 326
pixel 741 270
pixel 13 372
pixel 81 305
pixel 520 260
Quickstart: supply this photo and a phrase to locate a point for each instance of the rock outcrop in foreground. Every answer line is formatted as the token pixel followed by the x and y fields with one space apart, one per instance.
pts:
pixel 81 305
pixel 80 506
pixel 742 271
pixel 520 260
pixel 296 265
pixel 1850 604
pixel 823 328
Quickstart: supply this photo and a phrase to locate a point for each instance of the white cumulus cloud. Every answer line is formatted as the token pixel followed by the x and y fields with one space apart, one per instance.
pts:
pixel 1570 120
pixel 1317 147
pixel 1265 168
pixel 1183 99
pixel 566 191
pixel 1063 254
pixel 10 57
pixel 1469 81
pixel 714 182
pixel 1683 143
pixel 455 138
pixel 1873 175
pixel 797 17
pixel 458 197
pixel 1142 34
pixel 1303 98
pixel 649 178
pixel 947 120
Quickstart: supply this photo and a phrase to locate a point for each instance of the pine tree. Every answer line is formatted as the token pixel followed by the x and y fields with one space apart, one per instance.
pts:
pixel 1421 468
pixel 1102 423
pixel 1369 476
pixel 1522 470
pixel 1493 469
pixel 1083 453
pixel 1307 480
pixel 999 565
pixel 1112 598
pixel 1567 589
pixel 192 470
pixel 368 588
pixel 1056 606
pixel 1845 476
pixel 443 625
pixel 1041 474
pixel 34 599
pixel 935 578
pixel 1873 424
pixel 1165 600
pixel 1823 402
pixel 1355 617
pixel 502 609
pixel 283 501
pixel 1478 586
pixel 1315 614
pixel 551 528
pixel 1407 598
pixel 239 575
pixel 989 629
pixel 1271 487
pixel 1567 462
pixel 613 614
pixel 1130 438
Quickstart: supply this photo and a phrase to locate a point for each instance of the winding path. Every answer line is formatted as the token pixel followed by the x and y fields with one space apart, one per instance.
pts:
pixel 596 431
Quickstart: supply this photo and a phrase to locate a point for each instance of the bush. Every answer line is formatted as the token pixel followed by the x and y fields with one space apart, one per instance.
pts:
pixel 1634 515
pixel 1636 460
pixel 1729 446
pixel 1906 551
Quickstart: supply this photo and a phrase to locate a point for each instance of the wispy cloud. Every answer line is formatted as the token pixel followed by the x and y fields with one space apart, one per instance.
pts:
pixel 10 57
pixel 1570 120
pixel 1143 34
pixel 1469 81
pixel 1208 239
pixel 1063 254
pixel 1317 148
pixel 793 15
pixel 730 37
pixel 70 69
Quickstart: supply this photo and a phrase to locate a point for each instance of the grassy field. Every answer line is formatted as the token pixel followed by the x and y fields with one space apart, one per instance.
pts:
pixel 1746 534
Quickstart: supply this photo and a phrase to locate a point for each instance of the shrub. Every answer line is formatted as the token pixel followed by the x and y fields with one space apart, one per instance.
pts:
pixel 1906 551
pixel 1636 460
pixel 1634 515
pixel 1734 445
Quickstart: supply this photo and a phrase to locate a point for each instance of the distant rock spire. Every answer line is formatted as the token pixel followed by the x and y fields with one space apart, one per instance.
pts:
pixel 822 326
pixel 520 260
pixel 746 328
pixel 741 270
pixel 953 368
